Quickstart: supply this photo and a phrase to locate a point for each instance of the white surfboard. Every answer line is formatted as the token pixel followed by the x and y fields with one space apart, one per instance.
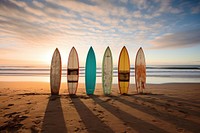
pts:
pixel 72 71
pixel 107 71
pixel 55 72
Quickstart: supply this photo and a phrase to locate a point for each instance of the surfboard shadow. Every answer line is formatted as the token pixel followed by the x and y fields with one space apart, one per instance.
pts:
pixel 180 122
pixel 186 102
pixel 91 121
pixel 130 120
pixel 168 104
pixel 54 118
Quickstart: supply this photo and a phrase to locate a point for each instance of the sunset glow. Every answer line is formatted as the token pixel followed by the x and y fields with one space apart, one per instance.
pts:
pixel 168 30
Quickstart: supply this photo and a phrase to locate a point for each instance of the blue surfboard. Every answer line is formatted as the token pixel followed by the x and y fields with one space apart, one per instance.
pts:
pixel 90 72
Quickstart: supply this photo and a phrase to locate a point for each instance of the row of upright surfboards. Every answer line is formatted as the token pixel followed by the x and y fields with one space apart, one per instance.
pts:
pixel 90 71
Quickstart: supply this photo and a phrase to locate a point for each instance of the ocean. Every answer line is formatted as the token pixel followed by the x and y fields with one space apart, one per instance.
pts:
pixel 155 74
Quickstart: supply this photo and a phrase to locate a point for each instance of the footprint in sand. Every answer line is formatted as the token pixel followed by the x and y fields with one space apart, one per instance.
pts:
pixel 11 97
pixel 76 129
pixel 10 104
pixel 38 116
pixel 100 111
pixel 35 129
pixel 107 100
pixel 181 130
pixel 13 124
pixel 37 121
pixel 184 112
pixel 154 120
pixel 26 111
pixel 5 108
pixel 11 114
pixel 84 97
pixel 101 117
pixel 94 109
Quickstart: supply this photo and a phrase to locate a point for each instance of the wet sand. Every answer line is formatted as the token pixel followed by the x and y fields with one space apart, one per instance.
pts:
pixel 29 107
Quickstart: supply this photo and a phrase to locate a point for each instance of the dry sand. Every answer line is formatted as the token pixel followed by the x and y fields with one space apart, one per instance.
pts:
pixel 28 107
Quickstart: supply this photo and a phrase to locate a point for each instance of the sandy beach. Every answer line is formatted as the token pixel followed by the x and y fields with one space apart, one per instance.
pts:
pixel 29 107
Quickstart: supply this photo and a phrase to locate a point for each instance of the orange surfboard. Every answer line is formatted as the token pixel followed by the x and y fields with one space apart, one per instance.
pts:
pixel 123 71
pixel 140 71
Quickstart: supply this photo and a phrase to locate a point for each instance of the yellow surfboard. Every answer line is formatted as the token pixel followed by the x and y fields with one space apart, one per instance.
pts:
pixel 123 71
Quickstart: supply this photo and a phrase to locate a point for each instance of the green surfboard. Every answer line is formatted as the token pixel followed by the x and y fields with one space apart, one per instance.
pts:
pixel 90 72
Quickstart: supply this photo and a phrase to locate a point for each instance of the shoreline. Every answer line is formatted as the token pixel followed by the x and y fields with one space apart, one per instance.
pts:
pixel 45 86
pixel 168 107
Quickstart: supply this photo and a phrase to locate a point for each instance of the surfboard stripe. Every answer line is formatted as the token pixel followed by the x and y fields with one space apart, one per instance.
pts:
pixel 124 76
pixel 72 81
pixel 72 71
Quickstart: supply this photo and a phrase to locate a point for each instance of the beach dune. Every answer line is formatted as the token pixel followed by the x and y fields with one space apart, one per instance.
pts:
pixel 29 107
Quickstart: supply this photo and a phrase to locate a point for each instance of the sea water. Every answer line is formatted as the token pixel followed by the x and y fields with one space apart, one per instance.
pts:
pixel 155 74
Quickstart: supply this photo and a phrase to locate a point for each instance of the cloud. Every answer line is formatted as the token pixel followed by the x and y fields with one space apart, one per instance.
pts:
pixel 38 4
pixel 137 14
pixel 30 26
pixel 73 18
pixel 36 22
pixel 79 7
pixel 141 4
pixel 177 40
pixel 166 7
pixel 196 9
pixel 124 1
pixel 156 7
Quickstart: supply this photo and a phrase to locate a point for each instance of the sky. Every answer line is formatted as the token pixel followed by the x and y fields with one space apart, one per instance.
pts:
pixel 167 30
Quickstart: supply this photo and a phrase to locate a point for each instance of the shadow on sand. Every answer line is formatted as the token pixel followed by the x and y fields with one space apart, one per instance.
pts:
pixel 168 102
pixel 137 124
pixel 180 122
pixel 91 121
pixel 54 119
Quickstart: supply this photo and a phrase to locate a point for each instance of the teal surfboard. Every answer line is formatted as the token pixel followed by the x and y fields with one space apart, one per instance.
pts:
pixel 90 72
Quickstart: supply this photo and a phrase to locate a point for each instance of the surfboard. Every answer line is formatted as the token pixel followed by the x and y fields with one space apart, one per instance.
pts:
pixel 107 71
pixel 55 72
pixel 140 71
pixel 123 71
pixel 72 71
pixel 90 72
